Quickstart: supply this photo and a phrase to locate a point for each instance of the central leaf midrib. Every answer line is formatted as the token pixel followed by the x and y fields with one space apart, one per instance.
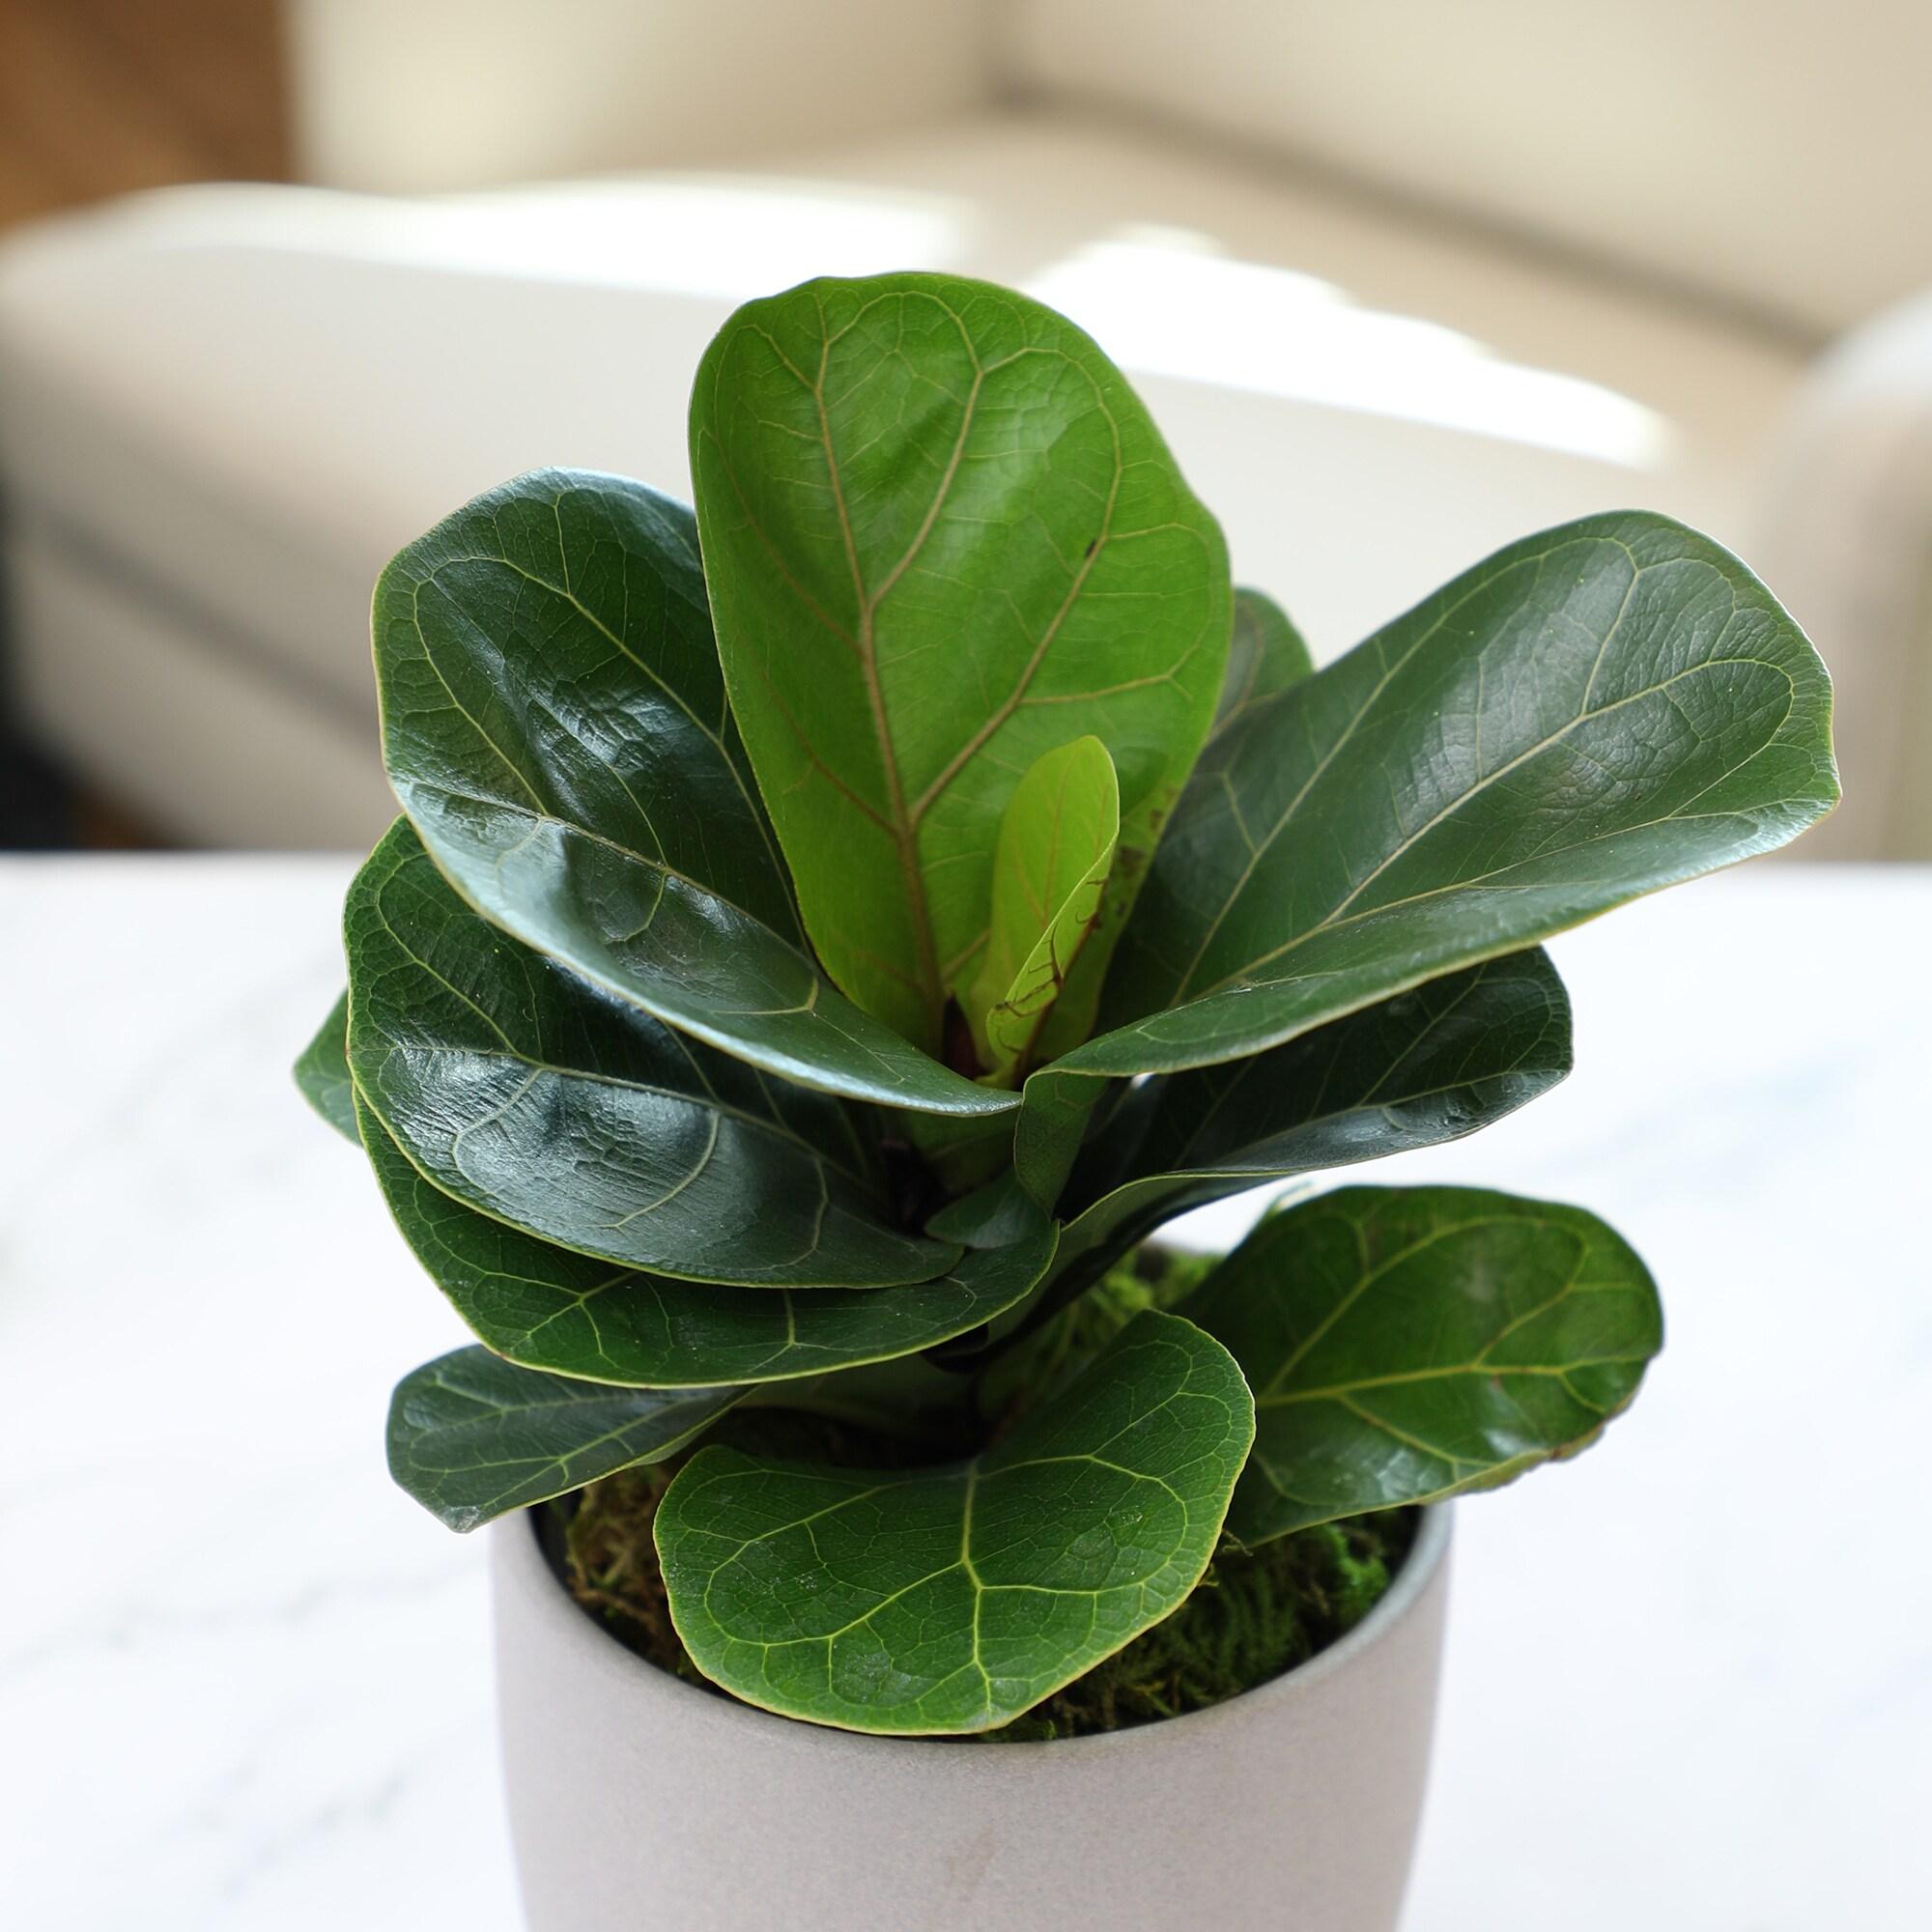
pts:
pixel 998 717
pixel 903 830
pixel 1400 1379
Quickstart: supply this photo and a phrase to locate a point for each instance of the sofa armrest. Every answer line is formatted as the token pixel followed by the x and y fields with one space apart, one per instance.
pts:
pixel 1846 543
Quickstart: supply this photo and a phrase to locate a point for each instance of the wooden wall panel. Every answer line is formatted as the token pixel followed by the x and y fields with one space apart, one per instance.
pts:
pixel 97 96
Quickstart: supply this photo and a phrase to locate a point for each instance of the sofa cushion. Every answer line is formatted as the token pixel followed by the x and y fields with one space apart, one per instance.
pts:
pixel 1773 154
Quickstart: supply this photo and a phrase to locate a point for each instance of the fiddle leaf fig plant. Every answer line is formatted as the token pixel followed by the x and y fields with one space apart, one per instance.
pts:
pixel 829 930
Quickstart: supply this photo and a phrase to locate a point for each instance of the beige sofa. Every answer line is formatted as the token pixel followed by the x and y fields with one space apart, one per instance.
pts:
pixel 220 410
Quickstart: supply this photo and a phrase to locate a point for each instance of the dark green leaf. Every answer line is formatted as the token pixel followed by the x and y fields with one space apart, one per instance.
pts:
pixel 1050 869
pixel 554 724
pixel 1406 1343
pixel 950 1600
pixel 1426 1066
pixel 472 1436
pixel 532 1097
pixel 1267 655
pixel 549 1308
pixel 993 1217
pixel 1591 714
pixel 321 1072
pixel 942 536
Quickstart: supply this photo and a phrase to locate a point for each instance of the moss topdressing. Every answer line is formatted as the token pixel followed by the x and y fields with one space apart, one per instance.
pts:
pixel 1255 1614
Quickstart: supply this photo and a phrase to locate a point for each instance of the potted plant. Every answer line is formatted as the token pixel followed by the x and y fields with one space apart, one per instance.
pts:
pixel 827 934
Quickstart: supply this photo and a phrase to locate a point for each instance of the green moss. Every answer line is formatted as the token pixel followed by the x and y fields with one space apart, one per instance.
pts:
pixel 1256 1614
pixel 604 1546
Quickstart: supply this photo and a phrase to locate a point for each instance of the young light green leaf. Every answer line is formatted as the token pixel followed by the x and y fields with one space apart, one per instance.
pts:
pixel 942 536
pixel 472 1437
pixel 546 1307
pixel 1266 655
pixel 950 1600
pixel 322 1072
pixel 554 724
pixel 542 1102
pixel 1407 1344
pixel 1591 714
pixel 1050 869
pixel 1426 1066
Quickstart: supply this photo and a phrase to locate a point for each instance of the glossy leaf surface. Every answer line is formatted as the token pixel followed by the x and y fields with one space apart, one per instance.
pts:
pixel 472 1436
pixel 1266 654
pixel 1428 1065
pixel 322 1072
pixel 1591 714
pixel 1407 1344
pixel 539 1100
pixel 554 724
pixel 549 1308
pixel 950 1600
pixel 1050 870
pixel 942 536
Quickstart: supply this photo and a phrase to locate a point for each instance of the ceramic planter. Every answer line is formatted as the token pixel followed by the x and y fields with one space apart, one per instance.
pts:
pixel 638 1801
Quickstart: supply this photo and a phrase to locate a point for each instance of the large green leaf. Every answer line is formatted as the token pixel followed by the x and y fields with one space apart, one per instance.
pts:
pixel 534 1096
pixel 952 1598
pixel 1050 870
pixel 549 1308
pixel 472 1436
pixel 1591 714
pixel 942 536
pixel 1428 1065
pixel 1406 1343
pixel 554 724
pixel 1267 654
pixel 322 1072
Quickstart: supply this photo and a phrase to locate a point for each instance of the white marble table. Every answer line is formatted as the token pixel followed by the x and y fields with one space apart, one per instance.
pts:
pixel 244 1681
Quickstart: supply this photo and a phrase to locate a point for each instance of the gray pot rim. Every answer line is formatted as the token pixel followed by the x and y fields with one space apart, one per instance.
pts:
pixel 572 1626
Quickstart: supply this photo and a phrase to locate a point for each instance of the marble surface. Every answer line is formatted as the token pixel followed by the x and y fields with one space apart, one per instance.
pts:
pixel 243 1683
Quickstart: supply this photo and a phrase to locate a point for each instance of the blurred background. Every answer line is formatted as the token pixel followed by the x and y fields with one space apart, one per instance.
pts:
pixel 281 285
